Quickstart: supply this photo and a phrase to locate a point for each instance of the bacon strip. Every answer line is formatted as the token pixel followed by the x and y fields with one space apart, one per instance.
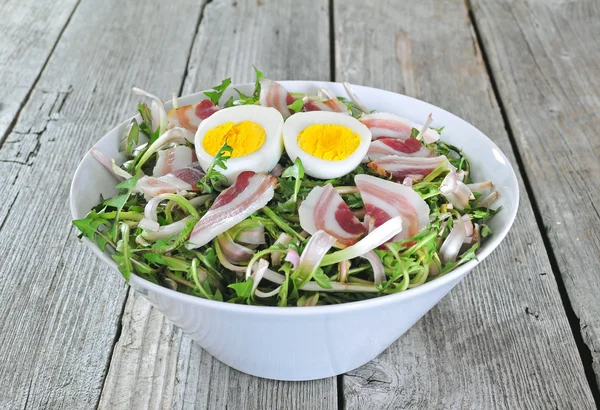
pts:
pixel 184 179
pixel 273 94
pixel 385 200
pixel 248 194
pixel 172 159
pixel 385 146
pixel 401 167
pixel 384 124
pixel 190 116
pixel 325 210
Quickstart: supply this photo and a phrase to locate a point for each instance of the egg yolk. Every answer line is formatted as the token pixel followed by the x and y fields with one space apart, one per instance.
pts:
pixel 245 138
pixel 331 142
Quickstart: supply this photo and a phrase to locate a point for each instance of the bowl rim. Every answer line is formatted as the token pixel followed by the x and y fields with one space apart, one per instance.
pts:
pixel 491 244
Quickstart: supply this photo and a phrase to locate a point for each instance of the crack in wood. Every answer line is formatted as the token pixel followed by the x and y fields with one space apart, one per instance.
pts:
pixel 10 207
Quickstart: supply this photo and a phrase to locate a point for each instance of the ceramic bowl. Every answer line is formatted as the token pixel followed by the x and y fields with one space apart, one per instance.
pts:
pixel 311 342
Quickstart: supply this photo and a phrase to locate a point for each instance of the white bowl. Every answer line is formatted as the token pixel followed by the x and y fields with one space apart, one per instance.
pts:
pixel 321 341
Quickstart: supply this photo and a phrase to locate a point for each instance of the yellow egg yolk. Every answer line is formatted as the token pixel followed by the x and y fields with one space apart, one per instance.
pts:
pixel 331 142
pixel 245 138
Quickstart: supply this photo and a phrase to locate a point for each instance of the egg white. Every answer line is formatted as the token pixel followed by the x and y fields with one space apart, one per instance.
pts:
pixel 317 167
pixel 262 160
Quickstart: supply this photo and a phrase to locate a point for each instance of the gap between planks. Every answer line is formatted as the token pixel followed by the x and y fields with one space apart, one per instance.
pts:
pixel 14 121
pixel 574 321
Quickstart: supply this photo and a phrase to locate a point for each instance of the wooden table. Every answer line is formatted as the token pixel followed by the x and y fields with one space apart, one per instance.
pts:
pixel 521 332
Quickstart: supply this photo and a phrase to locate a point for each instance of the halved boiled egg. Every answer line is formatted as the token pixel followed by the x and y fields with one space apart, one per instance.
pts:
pixel 329 144
pixel 254 133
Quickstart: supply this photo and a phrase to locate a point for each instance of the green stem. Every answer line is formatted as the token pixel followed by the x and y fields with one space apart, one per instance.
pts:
pixel 179 280
pixel 281 223
pixel 131 216
pixel 194 270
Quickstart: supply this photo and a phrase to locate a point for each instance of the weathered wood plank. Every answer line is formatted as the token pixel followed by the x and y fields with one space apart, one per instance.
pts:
pixel 59 308
pixel 501 339
pixel 29 30
pixel 552 100
pixel 154 365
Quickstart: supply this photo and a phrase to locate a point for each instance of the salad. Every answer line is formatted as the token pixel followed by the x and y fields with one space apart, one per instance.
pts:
pixel 286 199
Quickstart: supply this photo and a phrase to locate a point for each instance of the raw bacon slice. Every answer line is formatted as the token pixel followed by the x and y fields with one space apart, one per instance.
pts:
pixel 384 124
pixel 385 146
pixel 184 179
pixel 173 159
pixel 386 199
pixel 333 105
pixel 273 94
pixel 190 116
pixel 401 167
pixel 325 210
pixel 248 194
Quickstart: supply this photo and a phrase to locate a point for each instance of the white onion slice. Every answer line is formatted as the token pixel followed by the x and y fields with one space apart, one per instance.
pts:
pixel 354 98
pixel 379 236
pixel 162 117
pixel 451 246
pixel 378 270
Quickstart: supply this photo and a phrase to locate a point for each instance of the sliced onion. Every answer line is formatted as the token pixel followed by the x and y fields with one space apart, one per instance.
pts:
pixel 265 295
pixel 378 270
pixel 408 181
pixel 451 246
pixel 325 94
pixel 369 223
pixel 226 262
pixel 277 170
pixel 455 191
pixel 480 187
pixel 462 174
pixel 354 98
pixel 118 171
pixel 234 251
pixel 421 134
pixel 150 221
pixel 343 269
pixel 106 163
pixel 284 239
pixel 468 225
pixel 257 276
pixel 317 247
pixel 162 117
pixel 166 230
pixel 252 236
pixel 488 200
pixel 174 135
pixel 293 258
pixel 379 236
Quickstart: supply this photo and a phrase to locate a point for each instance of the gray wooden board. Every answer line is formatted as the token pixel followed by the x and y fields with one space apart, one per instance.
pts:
pixel 545 57
pixel 154 365
pixel 501 339
pixel 30 29
pixel 60 308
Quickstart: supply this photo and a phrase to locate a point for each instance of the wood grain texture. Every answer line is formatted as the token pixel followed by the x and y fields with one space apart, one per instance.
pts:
pixel 154 364
pixel 29 30
pixel 59 307
pixel 552 100
pixel 501 339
